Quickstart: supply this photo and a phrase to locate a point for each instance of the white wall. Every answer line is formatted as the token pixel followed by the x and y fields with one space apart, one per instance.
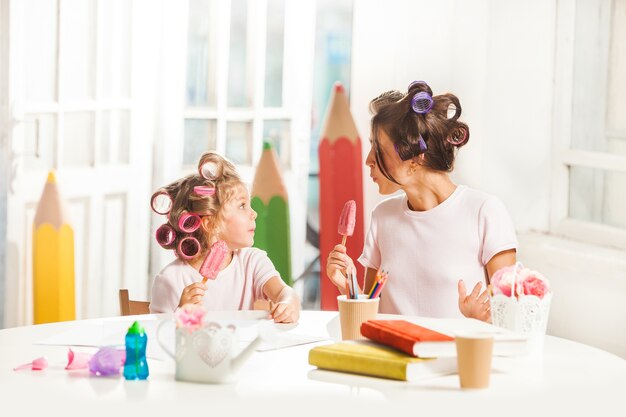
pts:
pixel 498 58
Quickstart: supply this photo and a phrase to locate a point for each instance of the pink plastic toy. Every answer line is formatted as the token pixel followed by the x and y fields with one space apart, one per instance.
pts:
pixel 211 265
pixel 347 220
pixel 36 365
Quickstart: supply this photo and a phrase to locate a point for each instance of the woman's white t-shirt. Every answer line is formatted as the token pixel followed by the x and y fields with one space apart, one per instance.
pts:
pixel 425 253
pixel 236 287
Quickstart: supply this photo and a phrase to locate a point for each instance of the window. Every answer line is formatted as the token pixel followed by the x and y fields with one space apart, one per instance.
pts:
pixel 590 122
pixel 237 79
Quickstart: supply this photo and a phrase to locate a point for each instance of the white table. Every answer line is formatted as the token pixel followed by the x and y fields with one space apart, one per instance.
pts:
pixel 570 378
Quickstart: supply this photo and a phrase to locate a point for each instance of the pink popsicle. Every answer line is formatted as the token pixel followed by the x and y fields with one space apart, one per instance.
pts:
pixel 347 220
pixel 211 265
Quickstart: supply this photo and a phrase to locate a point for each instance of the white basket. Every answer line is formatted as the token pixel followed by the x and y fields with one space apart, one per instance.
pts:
pixel 527 315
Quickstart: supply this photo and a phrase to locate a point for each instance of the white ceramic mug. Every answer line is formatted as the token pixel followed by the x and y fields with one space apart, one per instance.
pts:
pixel 207 355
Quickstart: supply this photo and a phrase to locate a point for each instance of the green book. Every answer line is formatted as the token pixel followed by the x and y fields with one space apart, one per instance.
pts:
pixel 367 358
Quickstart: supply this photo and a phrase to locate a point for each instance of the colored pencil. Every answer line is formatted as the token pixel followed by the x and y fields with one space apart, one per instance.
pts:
pixel 341 180
pixel 269 200
pixel 53 258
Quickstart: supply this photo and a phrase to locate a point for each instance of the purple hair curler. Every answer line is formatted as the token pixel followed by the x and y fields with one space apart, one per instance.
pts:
pixel 203 190
pixel 188 247
pixel 165 235
pixel 422 102
pixel 416 82
pixel 189 222
pixel 422 144
pixel 161 202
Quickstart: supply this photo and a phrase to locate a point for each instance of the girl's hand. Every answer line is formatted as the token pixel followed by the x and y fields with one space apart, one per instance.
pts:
pixel 192 294
pixel 285 311
pixel 475 305
pixel 336 266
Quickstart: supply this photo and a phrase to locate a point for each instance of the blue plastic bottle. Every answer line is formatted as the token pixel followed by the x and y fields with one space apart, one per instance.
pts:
pixel 136 366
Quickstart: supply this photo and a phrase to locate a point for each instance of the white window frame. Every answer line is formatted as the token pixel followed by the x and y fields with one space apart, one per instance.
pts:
pixel 299 41
pixel 563 156
pixel 257 113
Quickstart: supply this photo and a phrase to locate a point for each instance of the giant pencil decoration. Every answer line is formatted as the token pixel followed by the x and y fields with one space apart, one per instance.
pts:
pixel 53 258
pixel 269 200
pixel 341 180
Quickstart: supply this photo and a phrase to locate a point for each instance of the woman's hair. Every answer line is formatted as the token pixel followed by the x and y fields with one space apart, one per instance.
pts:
pixel 418 123
pixel 223 178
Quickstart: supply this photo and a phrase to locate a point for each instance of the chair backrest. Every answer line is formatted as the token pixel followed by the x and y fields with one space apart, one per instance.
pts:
pixel 131 307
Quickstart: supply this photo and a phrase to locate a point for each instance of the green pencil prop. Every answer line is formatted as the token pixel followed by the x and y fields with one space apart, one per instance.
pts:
pixel 269 200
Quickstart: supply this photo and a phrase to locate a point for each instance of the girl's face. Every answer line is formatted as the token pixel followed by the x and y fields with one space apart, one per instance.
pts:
pixel 394 165
pixel 238 221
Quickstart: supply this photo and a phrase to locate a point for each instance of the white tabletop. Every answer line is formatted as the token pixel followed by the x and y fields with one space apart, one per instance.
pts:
pixel 568 378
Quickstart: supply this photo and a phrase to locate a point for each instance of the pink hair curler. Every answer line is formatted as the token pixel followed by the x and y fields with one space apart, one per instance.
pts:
pixel 209 170
pixel 165 235
pixel 203 190
pixel 189 222
pixel 161 202
pixel 188 247
pixel 459 137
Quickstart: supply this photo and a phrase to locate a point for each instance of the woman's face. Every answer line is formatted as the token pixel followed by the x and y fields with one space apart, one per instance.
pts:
pixel 395 166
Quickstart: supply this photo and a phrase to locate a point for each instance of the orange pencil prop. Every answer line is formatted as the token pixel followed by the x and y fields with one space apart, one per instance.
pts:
pixel 53 258
pixel 341 179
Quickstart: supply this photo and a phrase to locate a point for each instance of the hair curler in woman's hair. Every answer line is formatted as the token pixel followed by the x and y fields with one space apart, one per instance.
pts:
pixel 188 247
pixel 422 102
pixel 458 137
pixel 161 202
pixel 189 222
pixel 165 235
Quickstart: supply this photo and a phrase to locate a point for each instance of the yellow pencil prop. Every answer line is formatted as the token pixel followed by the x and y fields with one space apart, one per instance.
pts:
pixel 53 258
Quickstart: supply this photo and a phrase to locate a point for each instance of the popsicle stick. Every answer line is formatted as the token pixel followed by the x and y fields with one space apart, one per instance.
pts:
pixel 343 240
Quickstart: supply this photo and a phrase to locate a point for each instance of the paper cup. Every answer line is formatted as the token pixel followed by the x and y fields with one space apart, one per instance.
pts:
pixel 474 351
pixel 354 312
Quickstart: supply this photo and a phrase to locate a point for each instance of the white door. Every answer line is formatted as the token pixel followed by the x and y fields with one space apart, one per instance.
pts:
pixel 78 88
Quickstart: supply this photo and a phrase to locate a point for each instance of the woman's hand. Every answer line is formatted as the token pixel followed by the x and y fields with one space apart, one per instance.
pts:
pixel 337 265
pixel 192 294
pixel 475 305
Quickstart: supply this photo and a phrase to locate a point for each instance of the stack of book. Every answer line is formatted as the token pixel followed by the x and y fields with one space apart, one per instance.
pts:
pixel 407 351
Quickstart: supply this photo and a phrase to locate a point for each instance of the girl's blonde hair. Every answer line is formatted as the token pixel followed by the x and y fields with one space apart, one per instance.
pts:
pixel 224 179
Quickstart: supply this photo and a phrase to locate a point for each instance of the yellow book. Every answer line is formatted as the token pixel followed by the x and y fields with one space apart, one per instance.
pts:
pixel 375 360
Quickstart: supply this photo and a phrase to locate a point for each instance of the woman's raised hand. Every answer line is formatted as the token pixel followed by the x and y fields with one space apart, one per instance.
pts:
pixel 336 266
pixel 475 305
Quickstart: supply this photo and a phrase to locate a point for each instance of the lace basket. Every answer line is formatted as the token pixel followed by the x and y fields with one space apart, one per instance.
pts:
pixel 527 315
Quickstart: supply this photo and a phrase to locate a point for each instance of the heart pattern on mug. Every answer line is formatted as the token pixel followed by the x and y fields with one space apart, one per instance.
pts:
pixel 213 344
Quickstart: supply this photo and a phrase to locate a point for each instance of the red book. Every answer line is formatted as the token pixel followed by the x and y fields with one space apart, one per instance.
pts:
pixel 427 343
pixel 401 334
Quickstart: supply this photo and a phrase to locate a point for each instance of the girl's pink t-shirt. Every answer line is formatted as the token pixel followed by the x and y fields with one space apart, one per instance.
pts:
pixel 236 287
pixel 426 252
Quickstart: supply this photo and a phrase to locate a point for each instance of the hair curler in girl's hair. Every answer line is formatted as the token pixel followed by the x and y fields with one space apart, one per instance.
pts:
pixel 203 190
pixel 165 235
pixel 189 222
pixel 188 247
pixel 161 202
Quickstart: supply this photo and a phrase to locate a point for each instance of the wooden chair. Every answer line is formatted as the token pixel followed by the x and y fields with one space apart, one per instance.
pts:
pixel 131 307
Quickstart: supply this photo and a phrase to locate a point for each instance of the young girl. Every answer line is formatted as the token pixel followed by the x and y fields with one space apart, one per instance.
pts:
pixel 436 235
pixel 202 209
